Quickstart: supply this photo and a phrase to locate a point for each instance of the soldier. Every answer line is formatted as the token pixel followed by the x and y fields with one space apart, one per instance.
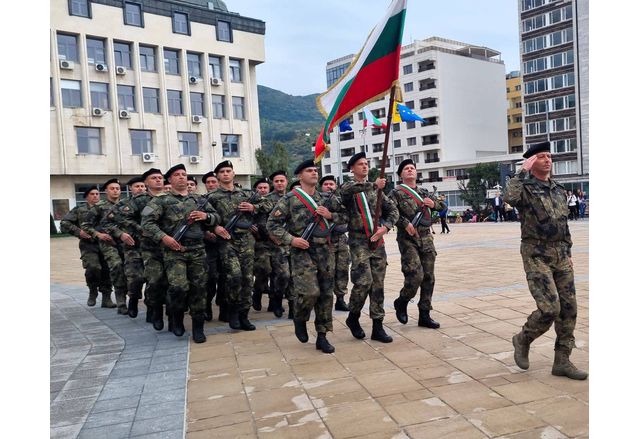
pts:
pixel 366 244
pixel 340 250
pixel 192 184
pixel 215 277
pixel 184 258
pixel 546 255
pixel 261 265
pixel 415 242
pixel 312 263
pixel 108 246
pixel 96 270
pixel 237 244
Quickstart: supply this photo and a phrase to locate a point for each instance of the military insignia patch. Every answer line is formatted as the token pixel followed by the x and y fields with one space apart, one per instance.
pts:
pixel 277 212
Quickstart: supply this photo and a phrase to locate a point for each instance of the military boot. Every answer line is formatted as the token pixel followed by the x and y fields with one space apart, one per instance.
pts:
pixel 149 316
pixel 290 315
pixel 158 322
pixel 178 323
pixel 521 350
pixel 278 310
pixel 341 304
pixel 93 295
pixel 301 330
pixel 256 299
pixel 197 329
pixel 377 333
pixel 323 344
pixel 426 321
pixel 562 366
pixel 121 302
pixel 270 307
pixel 132 307
pixel 245 324
pixel 106 301
pixel 354 324
pixel 400 305
pixel 223 316
pixel 208 311
pixel 234 317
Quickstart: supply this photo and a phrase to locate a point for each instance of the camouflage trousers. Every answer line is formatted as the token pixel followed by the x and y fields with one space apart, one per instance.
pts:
pixel 237 256
pixel 187 278
pixel 271 269
pixel 342 258
pixel 213 260
pixel 261 267
pixel 312 271
pixel 368 269
pixel 96 270
pixel 134 272
pixel 550 279
pixel 116 267
pixel 417 259
pixel 155 276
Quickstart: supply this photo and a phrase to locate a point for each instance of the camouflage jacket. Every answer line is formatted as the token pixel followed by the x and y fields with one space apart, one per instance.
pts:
pixel 339 231
pixel 165 212
pixel 132 218
pixel 71 222
pixel 116 223
pixel 542 206
pixel 389 212
pixel 408 208
pixel 290 216
pixel 92 223
pixel 225 202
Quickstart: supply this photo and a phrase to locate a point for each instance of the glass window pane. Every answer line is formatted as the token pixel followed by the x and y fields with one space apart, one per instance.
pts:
pixel 171 62
pixel 235 70
pixel 215 67
pixel 180 23
pixel 67 47
pixel 188 144
pixel 217 110
pixel 88 140
pixel 126 100
pixel 122 54
pixel 147 59
pixel 193 65
pixel 231 145
pixel 99 95
pixel 80 8
pixel 71 95
pixel 95 51
pixel 223 31
pixel 197 104
pixel 140 142
pixel 151 98
pixel 132 14
pixel 238 107
pixel 174 102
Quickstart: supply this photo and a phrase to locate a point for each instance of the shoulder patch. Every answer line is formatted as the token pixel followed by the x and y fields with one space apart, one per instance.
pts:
pixel 147 210
pixel 277 212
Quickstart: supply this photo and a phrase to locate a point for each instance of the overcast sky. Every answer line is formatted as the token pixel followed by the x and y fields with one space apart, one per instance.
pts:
pixel 302 36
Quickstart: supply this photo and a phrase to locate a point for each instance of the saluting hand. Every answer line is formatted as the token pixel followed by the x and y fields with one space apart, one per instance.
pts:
pixel 528 163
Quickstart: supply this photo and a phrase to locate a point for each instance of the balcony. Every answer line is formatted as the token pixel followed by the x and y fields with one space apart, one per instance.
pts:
pixel 432 160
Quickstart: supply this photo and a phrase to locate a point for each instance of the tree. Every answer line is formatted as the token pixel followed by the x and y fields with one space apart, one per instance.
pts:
pixel 481 177
pixel 270 163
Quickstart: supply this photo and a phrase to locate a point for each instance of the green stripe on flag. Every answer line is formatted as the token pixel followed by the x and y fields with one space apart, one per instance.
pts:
pixel 389 39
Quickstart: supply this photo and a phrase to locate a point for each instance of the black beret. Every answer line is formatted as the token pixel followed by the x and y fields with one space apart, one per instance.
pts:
pixel 108 182
pixel 207 175
pixel 355 158
pixel 325 178
pixel 260 180
pixel 403 164
pixel 225 164
pixel 275 174
pixel 536 148
pixel 89 189
pixel 192 178
pixel 151 171
pixel 304 165
pixel 293 184
pixel 170 172
pixel 166 182
pixel 134 180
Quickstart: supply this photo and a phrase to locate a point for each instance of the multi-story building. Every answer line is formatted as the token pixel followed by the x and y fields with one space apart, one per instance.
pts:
pixel 146 83
pixel 554 54
pixel 514 112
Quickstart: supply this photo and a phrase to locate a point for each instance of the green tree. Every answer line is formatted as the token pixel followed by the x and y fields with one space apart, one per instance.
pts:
pixel 481 177
pixel 274 161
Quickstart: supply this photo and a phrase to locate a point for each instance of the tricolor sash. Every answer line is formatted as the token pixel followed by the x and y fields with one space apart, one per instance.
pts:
pixel 415 196
pixel 310 204
pixel 365 213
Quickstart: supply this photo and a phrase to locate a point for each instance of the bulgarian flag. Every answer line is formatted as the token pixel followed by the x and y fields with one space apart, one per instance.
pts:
pixel 370 76
pixel 370 119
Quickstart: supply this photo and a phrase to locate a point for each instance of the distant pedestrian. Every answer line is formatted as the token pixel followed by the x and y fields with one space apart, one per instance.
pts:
pixel 498 208
pixel 443 214
pixel 572 202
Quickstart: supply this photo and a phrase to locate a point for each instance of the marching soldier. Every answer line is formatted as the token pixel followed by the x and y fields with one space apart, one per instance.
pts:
pixel 546 255
pixel 96 270
pixel 192 184
pixel 415 241
pixel 261 265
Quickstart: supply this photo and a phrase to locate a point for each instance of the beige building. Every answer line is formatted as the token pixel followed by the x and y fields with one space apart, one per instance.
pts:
pixel 149 83
pixel 514 112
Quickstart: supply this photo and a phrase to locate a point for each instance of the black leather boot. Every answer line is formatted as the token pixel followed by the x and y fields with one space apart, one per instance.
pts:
pixel 208 311
pixel 234 317
pixel 158 322
pixel 132 307
pixel 197 329
pixel 354 324
pixel 256 299
pixel 290 315
pixel 378 333
pixel 323 344
pixel 341 305
pixel 301 330
pixel 278 310
pixel 245 324
pixel 400 305
pixel 93 295
pixel 178 323
pixel 149 317
pixel 223 316
pixel 426 321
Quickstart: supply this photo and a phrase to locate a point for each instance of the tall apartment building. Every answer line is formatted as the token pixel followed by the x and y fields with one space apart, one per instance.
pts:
pixel 514 112
pixel 459 90
pixel 147 83
pixel 554 53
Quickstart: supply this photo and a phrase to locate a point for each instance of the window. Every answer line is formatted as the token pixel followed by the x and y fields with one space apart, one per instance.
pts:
pixel 140 142
pixel 223 31
pixel 517 148
pixel 95 51
pixel 565 167
pixel 71 95
pixel 415 158
pixel 151 100
pixel 99 95
pixel 427 103
pixel 426 84
pixel 327 168
pixel 193 65
pixel 217 106
pixel 396 127
pixel 88 140
pixel 230 145
pixel 51 101
pixel 235 70
pixel 565 145
pixel 410 104
pixel 171 62
pixel 215 67
pixel 68 47
pixel 174 102
pixel 399 159
pixel 408 87
pixel 346 136
pixel 426 65
pixel 188 143
pixel 377 147
pixel 126 99
pixel 133 14
pixel 411 124
pixel 181 23
pixel 197 103
pixel 238 107
pixel 407 69
pixel 397 143
pixel 122 54
pixel 347 152
pixel 80 8
pixel 411 141
pixel 147 59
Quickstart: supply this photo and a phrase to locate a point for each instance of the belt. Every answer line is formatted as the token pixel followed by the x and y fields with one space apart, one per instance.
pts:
pixel 543 242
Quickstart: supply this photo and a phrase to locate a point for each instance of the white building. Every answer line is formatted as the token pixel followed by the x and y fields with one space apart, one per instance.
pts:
pixel 145 84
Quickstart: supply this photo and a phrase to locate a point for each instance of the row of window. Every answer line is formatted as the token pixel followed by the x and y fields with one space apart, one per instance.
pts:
pixel 553 126
pixel 89 142
pixel 423 66
pixel 133 15
pixel 547 41
pixel 547 19
pixel 147 56
pixel 532 4
pixel 423 84
pixel 549 62
pixel 548 84
pixel 99 91
pixel 553 104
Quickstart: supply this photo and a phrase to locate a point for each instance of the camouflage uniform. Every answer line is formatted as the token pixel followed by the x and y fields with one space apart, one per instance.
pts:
pixel 262 260
pixel 215 278
pixel 96 270
pixel 280 272
pixel 417 253
pixel 342 258
pixel 312 270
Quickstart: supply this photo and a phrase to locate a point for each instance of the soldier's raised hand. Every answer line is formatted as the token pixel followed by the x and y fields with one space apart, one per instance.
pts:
pixel 528 163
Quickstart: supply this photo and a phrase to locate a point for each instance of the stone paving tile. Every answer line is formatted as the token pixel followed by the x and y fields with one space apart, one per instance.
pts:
pixel 456 427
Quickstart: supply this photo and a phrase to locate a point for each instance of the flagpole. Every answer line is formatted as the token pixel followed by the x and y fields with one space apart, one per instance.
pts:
pixel 338 161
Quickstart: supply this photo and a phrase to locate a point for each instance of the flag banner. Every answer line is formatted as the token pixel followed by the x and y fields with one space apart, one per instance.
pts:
pixel 402 113
pixel 320 148
pixel 370 119
pixel 371 74
pixel 344 126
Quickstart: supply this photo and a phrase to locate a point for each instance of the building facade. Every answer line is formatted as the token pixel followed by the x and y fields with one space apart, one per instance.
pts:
pixel 149 83
pixel 514 112
pixel 554 64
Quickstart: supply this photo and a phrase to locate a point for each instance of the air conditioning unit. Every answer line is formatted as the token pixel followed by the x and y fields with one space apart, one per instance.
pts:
pixel 148 157
pixel 124 114
pixel 101 67
pixel 193 80
pixel 121 70
pixel 193 159
pixel 216 81
pixel 98 112
pixel 66 65
pixel 196 118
